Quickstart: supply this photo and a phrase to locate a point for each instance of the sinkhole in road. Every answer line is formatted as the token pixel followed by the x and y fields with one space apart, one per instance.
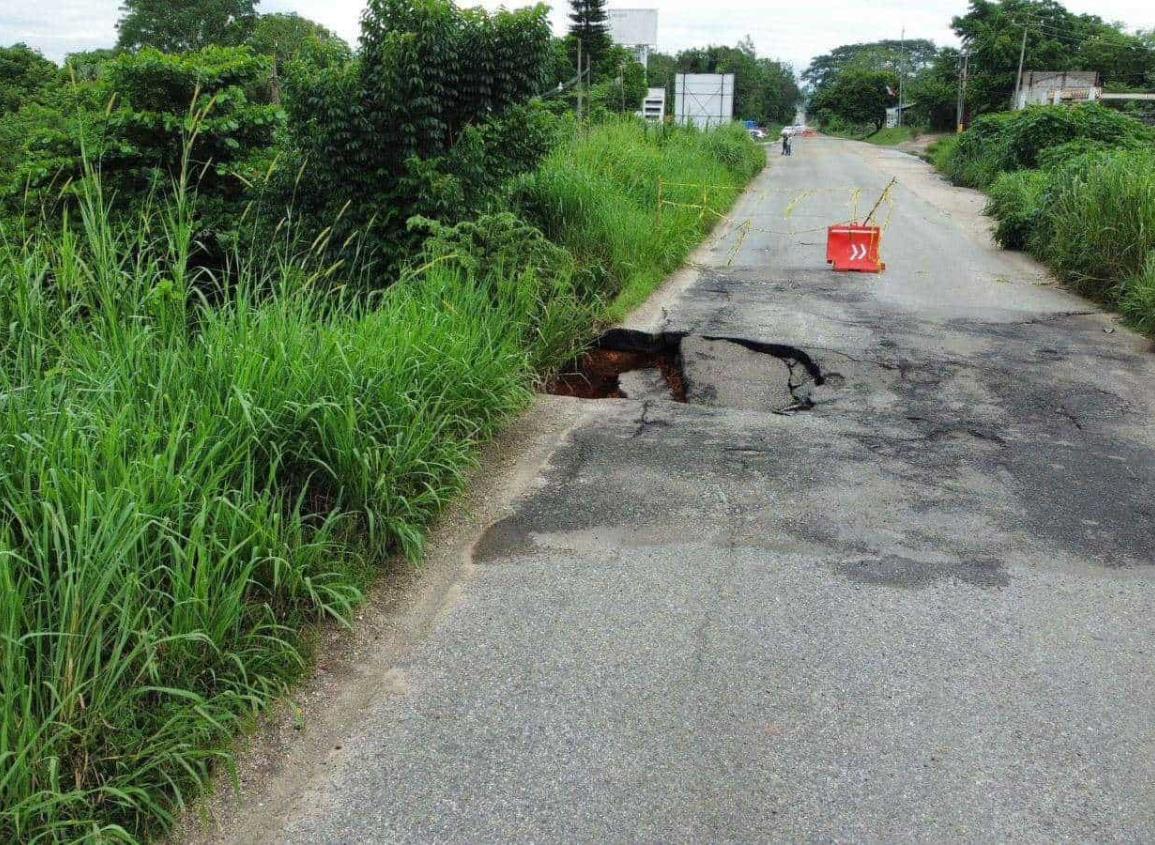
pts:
pixel 728 372
pixel 625 364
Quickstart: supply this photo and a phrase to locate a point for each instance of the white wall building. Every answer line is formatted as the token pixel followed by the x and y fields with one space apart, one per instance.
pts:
pixel 1046 87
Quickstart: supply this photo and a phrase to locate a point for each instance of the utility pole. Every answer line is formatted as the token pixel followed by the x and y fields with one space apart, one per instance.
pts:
pixel 1019 78
pixel 964 68
pixel 579 82
pixel 589 76
pixel 901 72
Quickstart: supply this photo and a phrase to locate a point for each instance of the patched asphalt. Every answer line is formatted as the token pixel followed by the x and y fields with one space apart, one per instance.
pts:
pixel 917 605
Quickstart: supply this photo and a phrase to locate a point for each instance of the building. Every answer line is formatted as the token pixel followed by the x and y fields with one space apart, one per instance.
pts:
pixel 893 112
pixel 1049 87
pixel 654 105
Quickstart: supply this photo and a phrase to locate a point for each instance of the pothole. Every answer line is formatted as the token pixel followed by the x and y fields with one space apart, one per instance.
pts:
pixel 625 364
pixel 728 372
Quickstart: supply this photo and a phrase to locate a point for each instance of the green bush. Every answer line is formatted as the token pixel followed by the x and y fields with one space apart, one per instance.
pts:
pixel 24 76
pixel 1138 297
pixel 978 155
pixel 1100 220
pixel 1015 202
pixel 1075 151
pixel 1039 128
pixel 500 246
pixel 422 122
pixel 1009 141
pixel 150 116
pixel 1089 208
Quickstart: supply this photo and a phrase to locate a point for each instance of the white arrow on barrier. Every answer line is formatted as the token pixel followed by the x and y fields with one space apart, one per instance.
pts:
pixel 857 252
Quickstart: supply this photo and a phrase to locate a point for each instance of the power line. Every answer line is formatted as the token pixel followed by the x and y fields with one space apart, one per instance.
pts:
pixel 1106 33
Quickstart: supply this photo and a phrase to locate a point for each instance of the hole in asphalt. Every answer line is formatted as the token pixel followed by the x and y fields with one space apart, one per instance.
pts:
pixel 625 364
pixel 628 364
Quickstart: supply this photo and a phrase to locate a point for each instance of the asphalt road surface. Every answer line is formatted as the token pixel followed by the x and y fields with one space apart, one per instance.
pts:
pixel 921 609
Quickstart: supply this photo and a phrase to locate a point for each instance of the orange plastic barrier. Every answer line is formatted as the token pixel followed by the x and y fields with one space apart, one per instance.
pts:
pixel 851 246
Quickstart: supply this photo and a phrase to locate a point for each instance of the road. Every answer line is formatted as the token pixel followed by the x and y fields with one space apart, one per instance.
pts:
pixel 921 609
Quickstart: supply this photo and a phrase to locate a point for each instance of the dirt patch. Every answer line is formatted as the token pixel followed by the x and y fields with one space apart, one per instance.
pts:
pixel 597 373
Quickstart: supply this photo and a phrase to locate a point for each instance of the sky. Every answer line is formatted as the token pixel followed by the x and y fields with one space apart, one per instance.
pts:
pixel 793 31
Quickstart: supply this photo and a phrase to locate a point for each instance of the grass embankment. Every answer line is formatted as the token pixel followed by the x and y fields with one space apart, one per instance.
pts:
pixel 597 195
pixel 886 137
pixel 894 135
pixel 195 469
pixel 1075 187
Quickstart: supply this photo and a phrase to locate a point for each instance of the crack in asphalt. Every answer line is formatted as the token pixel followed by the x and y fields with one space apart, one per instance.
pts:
pixel 1050 318
pixel 644 423
pixel 795 360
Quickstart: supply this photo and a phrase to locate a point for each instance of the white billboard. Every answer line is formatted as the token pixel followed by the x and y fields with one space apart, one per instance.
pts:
pixel 633 27
pixel 704 99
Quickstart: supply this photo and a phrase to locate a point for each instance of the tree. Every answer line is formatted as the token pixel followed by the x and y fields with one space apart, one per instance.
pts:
pixel 589 29
pixel 430 119
pixel 136 121
pixel 1057 40
pixel 288 38
pixel 898 56
pixel 933 92
pixel 24 73
pixel 88 65
pixel 175 27
pixel 858 97
pixel 623 86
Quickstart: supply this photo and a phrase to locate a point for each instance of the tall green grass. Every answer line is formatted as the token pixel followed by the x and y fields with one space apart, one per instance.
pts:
pixel 184 486
pixel 1015 202
pixel 1098 221
pixel 194 468
pixel 1076 188
pixel 1010 141
pixel 893 135
pixel 598 195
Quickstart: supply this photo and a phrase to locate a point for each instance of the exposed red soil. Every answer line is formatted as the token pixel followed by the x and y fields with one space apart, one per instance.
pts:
pixel 595 374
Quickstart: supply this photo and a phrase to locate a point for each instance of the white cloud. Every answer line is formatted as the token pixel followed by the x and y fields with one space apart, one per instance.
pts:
pixel 794 31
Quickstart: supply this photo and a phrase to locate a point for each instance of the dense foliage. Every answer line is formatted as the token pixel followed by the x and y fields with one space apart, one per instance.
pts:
pixel 1075 187
pixel 1010 141
pixel 852 86
pixel 294 42
pixel 430 120
pixel 174 27
pixel 1056 40
pixel 912 56
pixel 136 119
pixel 24 75
pixel 765 90
pixel 856 97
